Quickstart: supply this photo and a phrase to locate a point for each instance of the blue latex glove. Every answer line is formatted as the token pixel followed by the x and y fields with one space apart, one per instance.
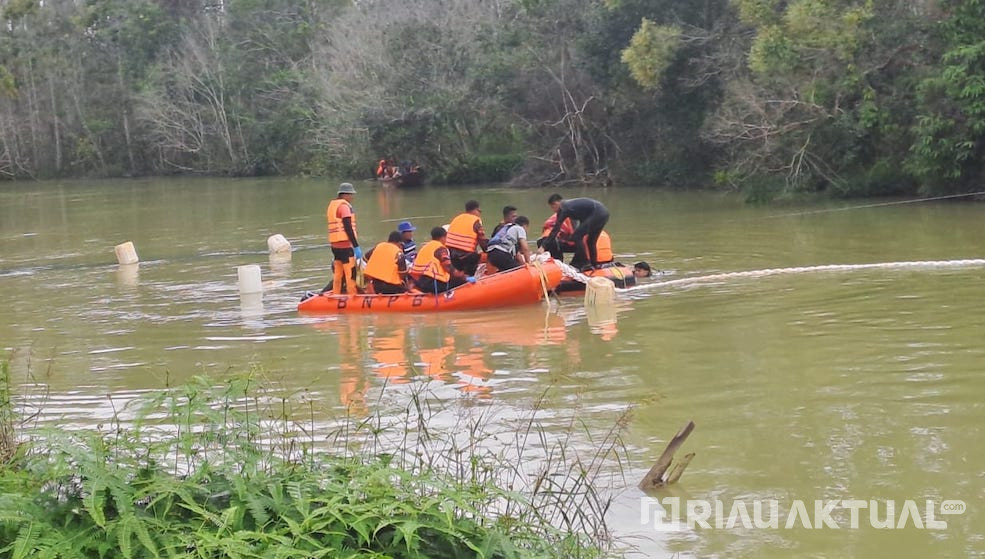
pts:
pixel 470 279
pixel 358 252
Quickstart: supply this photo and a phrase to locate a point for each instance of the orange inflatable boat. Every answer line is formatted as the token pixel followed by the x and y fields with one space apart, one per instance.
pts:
pixel 620 274
pixel 519 286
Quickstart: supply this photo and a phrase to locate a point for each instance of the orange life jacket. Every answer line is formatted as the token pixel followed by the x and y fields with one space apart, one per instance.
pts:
pixel 336 232
pixel 461 232
pixel 428 264
pixel 563 233
pixel 381 168
pixel 382 263
pixel 603 248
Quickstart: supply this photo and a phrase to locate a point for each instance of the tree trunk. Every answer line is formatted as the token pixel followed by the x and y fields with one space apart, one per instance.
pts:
pixel 54 122
pixel 125 109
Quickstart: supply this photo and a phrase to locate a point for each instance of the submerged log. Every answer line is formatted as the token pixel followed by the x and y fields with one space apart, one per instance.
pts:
pixel 658 476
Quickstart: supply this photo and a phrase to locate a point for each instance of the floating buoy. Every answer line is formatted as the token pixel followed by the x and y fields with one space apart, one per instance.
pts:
pixel 600 291
pixel 278 244
pixel 126 253
pixel 249 279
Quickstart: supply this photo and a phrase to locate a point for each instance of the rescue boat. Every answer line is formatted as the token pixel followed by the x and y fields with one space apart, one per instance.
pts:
pixel 520 286
pixel 619 273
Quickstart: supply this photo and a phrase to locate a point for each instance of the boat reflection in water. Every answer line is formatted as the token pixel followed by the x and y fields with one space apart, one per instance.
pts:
pixel 463 350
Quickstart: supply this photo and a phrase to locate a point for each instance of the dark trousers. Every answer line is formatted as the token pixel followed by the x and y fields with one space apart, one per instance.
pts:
pixel 556 249
pixel 502 260
pixel 384 288
pixel 587 235
pixel 427 284
pixel 465 261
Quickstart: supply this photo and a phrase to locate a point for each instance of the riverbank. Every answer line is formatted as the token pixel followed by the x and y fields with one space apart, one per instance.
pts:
pixel 232 469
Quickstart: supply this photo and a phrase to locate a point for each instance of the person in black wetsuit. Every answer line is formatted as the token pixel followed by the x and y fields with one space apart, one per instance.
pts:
pixel 591 216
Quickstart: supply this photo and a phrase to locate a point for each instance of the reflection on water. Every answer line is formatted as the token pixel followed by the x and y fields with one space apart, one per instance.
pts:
pixel 859 382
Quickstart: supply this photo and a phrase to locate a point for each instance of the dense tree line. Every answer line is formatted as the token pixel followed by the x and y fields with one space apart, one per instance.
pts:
pixel 854 97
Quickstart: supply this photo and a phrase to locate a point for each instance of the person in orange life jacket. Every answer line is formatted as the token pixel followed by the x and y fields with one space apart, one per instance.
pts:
pixel 591 216
pixel 564 242
pixel 407 243
pixel 508 243
pixel 386 266
pixel 432 271
pixel 381 168
pixel 509 216
pixel 342 237
pixel 603 248
pixel 465 233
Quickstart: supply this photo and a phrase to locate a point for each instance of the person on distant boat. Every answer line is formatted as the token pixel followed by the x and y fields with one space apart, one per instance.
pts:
pixel 591 216
pixel 407 242
pixel 642 270
pixel 381 169
pixel 386 267
pixel 342 237
pixel 508 247
pixel 564 243
pixel 509 216
pixel 465 233
pixel 432 270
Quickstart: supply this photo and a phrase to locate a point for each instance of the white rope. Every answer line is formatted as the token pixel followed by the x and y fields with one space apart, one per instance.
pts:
pixel 572 272
pixel 810 269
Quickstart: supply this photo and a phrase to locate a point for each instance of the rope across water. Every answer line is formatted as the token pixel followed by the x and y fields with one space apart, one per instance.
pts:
pixel 972 262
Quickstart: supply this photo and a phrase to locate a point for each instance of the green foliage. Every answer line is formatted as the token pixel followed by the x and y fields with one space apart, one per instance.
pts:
pixel 8 441
pixel 949 132
pixel 206 471
pixel 481 169
pixel 651 51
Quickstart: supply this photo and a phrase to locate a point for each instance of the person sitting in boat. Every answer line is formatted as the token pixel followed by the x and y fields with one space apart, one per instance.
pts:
pixel 432 271
pixel 465 233
pixel 382 169
pixel 603 248
pixel 407 242
pixel 591 216
pixel 386 267
pixel 564 243
pixel 508 247
pixel 642 270
pixel 509 216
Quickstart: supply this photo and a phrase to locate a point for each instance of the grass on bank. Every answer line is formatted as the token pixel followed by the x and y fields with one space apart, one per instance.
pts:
pixel 209 472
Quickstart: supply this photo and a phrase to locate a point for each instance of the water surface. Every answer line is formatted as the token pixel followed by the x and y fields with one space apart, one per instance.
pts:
pixel 847 384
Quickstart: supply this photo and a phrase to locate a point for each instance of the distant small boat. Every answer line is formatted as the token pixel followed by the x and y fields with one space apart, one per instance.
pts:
pixel 406 180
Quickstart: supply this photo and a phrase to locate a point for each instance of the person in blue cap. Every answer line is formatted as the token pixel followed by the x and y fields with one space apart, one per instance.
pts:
pixel 406 230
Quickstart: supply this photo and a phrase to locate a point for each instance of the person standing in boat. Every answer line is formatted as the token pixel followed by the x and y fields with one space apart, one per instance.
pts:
pixel 591 216
pixel 407 242
pixel 509 216
pixel 508 247
pixel 465 233
pixel 342 237
pixel 386 267
pixel 432 271
pixel 564 243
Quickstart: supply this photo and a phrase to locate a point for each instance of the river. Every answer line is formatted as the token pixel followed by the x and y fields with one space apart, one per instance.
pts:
pixel 840 383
